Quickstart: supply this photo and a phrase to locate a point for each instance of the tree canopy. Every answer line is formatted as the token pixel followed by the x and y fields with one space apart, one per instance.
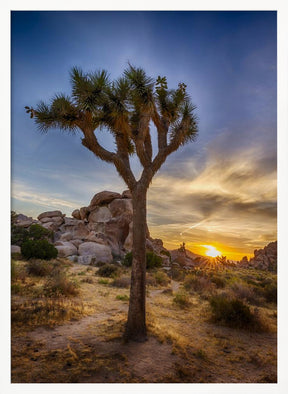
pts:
pixel 126 107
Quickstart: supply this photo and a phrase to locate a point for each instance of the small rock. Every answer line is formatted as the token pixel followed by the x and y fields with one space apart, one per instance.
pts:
pixel 49 214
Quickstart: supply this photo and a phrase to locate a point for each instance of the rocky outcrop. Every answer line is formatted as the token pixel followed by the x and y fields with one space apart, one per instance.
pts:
pixel 51 219
pixel 264 259
pixel 24 221
pixel 101 232
pixel 103 198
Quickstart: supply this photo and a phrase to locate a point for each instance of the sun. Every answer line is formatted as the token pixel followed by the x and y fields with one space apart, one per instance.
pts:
pixel 211 251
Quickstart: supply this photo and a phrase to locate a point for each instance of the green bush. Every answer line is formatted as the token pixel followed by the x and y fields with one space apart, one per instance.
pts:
pixel 181 299
pixel 127 261
pixel 39 249
pixel 161 278
pixel 108 271
pixel 124 297
pixel 18 235
pixel 233 313
pixel 37 232
pixel 152 260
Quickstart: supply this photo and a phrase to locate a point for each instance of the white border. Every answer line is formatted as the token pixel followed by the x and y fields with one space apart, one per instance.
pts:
pixel 281 8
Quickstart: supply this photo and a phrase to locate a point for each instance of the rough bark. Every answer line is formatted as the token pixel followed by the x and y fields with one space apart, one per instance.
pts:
pixel 136 323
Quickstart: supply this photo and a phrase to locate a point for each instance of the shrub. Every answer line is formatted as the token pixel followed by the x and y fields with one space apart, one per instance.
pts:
pixel 124 297
pixel 18 235
pixel 199 284
pixel 37 232
pixel 40 249
pixel 161 278
pixel 123 282
pixel 103 281
pixel 152 260
pixel 270 292
pixel 244 292
pixel 107 271
pixel 177 273
pixel 219 282
pixel 127 261
pixel 87 280
pixel 181 299
pixel 233 313
pixel 39 268
pixel 59 285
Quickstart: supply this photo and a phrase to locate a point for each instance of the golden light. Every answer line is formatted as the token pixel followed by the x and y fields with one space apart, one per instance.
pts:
pixel 211 251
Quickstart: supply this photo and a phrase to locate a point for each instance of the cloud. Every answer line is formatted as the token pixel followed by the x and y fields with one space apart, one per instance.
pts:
pixel 231 197
pixel 28 195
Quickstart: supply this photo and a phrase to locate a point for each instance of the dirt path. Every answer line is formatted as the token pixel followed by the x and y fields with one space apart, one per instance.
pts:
pixel 145 362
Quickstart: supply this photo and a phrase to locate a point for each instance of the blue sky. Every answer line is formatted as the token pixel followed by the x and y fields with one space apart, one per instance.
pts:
pixel 220 189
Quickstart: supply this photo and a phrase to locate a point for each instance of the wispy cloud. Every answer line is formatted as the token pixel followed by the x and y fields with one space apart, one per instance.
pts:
pixel 27 194
pixel 232 199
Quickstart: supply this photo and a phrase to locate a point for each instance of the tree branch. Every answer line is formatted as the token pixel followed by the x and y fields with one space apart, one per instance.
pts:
pixel 90 141
pixel 164 152
pixel 140 141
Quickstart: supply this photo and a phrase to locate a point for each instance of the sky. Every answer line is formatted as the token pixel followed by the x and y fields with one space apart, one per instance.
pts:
pixel 220 190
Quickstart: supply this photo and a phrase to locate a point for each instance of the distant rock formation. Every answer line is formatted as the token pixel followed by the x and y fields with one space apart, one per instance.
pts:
pixel 100 232
pixel 264 259
pixel 187 259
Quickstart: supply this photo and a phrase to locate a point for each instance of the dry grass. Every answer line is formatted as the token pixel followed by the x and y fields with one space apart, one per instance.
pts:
pixel 85 344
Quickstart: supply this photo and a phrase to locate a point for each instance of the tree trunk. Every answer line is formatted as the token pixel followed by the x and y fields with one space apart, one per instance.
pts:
pixel 136 323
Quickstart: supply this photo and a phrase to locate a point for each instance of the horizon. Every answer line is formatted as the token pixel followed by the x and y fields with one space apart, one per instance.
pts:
pixel 218 191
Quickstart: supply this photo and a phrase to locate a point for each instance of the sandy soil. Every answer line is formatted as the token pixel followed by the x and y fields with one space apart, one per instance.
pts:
pixel 182 346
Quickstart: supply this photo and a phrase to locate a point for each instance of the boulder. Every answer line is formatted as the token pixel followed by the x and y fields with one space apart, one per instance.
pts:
pixel 96 250
pixel 96 227
pixel 71 222
pixel 76 214
pixel 25 223
pixel 99 214
pixel 49 226
pixel 57 220
pixel 264 259
pixel 15 249
pixel 66 237
pixel 84 212
pixel 65 249
pixel 77 228
pixel 86 260
pixel 117 230
pixel 94 237
pixel 76 242
pixel 50 214
pixel 129 239
pixel 119 206
pixel 126 194
pixel 102 198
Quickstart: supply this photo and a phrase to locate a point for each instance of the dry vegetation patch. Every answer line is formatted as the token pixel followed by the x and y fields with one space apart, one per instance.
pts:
pixel 77 337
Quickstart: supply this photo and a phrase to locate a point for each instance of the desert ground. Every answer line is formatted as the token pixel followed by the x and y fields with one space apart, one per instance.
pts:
pixel 67 324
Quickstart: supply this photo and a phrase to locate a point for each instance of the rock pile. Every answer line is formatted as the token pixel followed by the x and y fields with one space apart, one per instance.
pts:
pixel 264 259
pixel 100 232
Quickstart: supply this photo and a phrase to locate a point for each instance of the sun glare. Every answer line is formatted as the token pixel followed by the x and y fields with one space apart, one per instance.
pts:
pixel 211 251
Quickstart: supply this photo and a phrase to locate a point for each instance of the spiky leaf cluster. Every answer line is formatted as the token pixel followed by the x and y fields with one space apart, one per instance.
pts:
pixel 125 107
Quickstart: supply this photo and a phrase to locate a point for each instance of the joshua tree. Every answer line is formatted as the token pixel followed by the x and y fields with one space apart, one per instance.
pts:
pixel 126 107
